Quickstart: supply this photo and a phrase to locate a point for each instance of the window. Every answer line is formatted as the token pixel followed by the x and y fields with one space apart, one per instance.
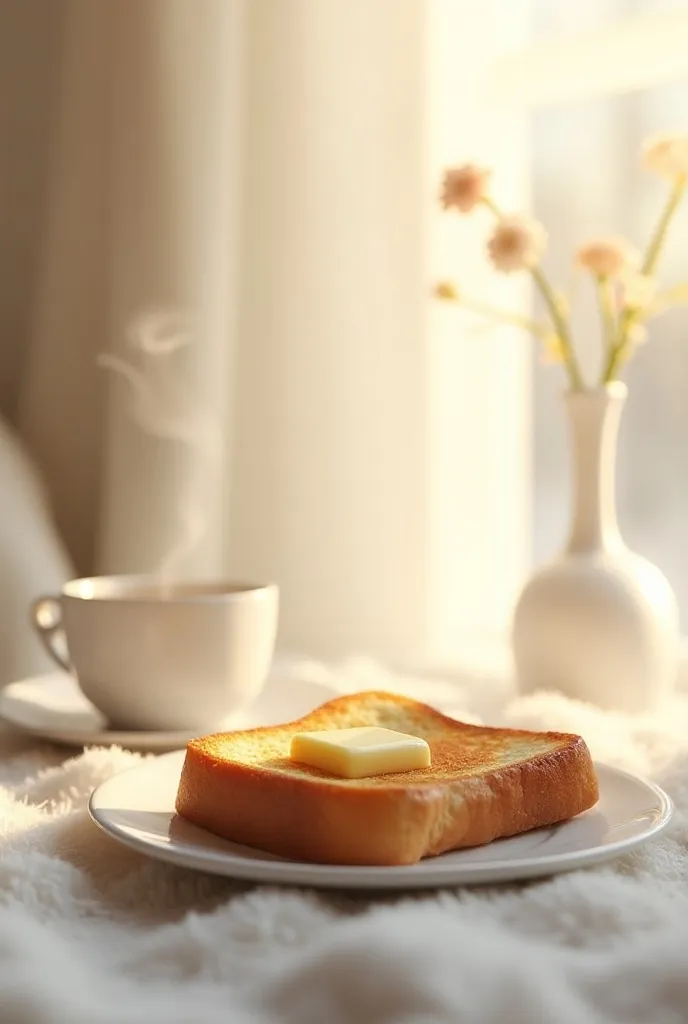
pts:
pixel 586 181
pixel 562 95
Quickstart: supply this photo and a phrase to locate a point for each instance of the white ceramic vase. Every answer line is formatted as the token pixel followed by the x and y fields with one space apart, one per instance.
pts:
pixel 599 623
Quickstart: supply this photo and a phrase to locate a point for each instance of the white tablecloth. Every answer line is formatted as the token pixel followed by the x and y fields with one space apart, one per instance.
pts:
pixel 91 933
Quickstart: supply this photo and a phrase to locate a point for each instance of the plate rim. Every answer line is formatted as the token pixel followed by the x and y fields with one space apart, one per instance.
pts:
pixel 429 873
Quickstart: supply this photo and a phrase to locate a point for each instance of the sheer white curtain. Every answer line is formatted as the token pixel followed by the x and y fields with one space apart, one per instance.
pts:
pixel 142 213
pixel 268 171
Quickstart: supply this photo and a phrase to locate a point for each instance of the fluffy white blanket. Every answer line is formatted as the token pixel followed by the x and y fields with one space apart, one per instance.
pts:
pixel 93 934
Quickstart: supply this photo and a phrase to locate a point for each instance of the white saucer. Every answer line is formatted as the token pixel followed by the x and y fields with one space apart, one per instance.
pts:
pixel 137 808
pixel 52 707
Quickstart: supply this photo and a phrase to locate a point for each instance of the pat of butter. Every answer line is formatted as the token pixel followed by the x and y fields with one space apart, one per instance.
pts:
pixel 360 752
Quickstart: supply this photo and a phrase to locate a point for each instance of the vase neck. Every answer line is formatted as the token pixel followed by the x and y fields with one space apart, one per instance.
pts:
pixel 593 424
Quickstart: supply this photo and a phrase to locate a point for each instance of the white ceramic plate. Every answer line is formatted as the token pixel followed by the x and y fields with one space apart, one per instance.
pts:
pixel 137 808
pixel 52 707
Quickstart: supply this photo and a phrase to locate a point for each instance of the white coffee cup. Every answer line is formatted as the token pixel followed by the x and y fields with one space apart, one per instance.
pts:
pixel 150 656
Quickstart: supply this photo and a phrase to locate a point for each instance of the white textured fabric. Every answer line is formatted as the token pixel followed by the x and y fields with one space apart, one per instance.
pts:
pixel 91 933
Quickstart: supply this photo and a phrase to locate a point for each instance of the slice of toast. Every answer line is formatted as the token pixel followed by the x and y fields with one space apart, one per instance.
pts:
pixel 483 783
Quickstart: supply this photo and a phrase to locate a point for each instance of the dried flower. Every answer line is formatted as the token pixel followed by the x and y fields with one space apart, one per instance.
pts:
pixel 667 155
pixel 552 349
pixel 446 290
pixel 516 244
pixel 562 302
pixel 625 282
pixel 464 187
pixel 638 291
pixel 607 257
pixel 669 299
pixel 637 335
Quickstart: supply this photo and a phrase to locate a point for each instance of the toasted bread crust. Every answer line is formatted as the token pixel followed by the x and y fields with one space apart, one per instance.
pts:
pixel 306 815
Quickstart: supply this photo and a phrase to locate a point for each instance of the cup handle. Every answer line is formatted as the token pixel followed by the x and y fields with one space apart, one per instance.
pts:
pixel 46 619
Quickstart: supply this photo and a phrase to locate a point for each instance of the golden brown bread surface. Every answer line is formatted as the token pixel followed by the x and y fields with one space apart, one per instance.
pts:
pixel 483 784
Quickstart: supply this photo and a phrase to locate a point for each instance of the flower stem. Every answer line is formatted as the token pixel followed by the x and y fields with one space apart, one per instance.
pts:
pixel 561 326
pixel 604 297
pixel 503 316
pixel 558 318
pixel 648 267
pixel 654 250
